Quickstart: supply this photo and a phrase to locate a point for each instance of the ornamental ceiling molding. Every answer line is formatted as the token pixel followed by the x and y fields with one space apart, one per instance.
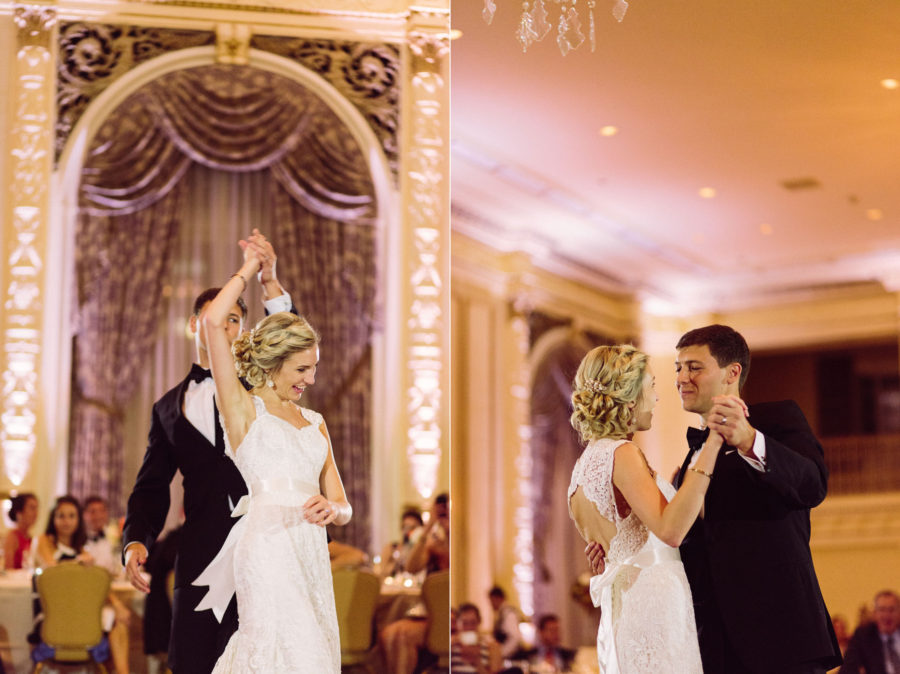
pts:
pixel 93 56
pixel 379 8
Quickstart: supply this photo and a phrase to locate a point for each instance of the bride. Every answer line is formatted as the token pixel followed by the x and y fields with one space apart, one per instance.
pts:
pixel 647 620
pixel 281 569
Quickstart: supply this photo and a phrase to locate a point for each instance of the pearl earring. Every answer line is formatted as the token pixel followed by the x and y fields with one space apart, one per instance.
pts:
pixel 269 382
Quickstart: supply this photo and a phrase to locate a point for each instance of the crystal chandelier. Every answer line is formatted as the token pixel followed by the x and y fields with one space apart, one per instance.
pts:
pixel 535 23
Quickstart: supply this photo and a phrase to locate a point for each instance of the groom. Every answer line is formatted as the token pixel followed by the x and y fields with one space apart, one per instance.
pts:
pixel 185 435
pixel 757 601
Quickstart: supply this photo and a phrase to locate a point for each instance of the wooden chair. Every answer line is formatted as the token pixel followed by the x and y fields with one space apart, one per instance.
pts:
pixel 436 595
pixel 72 596
pixel 355 597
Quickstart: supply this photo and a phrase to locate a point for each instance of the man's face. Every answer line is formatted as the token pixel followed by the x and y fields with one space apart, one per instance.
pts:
pixel 887 613
pixel 550 634
pixel 96 516
pixel 699 378
pixel 233 325
pixel 468 621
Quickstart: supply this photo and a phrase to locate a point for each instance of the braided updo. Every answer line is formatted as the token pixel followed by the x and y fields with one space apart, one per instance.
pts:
pixel 608 379
pixel 265 348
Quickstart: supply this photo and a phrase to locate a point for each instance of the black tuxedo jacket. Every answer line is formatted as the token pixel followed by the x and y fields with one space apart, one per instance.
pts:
pixel 212 485
pixel 865 652
pixel 748 560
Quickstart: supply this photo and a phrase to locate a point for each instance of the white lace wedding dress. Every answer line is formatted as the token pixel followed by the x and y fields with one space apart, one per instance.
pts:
pixel 647 621
pixel 282 572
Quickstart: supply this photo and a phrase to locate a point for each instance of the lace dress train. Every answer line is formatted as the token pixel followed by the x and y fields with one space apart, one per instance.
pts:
pixel 647 621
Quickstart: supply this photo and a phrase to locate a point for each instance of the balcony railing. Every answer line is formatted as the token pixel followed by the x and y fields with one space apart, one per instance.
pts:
pixel 862 464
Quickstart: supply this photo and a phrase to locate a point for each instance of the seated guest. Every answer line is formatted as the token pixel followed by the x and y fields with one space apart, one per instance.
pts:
pixel 63 542
pixel 17 544
pixel 875 647
pixel 395 554
pixel 345 556
pixel 470 649
pixel 432 550
pixel 506 622
pixel 401 640
pixel 96 519
pixel 548 651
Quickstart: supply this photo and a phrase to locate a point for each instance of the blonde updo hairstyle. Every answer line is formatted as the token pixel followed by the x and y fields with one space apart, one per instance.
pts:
pixel 265 348
pixel 608 379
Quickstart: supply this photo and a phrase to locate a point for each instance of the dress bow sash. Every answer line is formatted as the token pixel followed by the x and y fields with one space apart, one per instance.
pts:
pixel 219 573
pixel 601 596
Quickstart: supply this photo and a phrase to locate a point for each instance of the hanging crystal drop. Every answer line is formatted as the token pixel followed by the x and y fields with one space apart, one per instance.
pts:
pixel 574 34
pixel 561 31
pixel 540 19
pixel 488 12
pixel 525 34
pixel 592 32
pixel 619 10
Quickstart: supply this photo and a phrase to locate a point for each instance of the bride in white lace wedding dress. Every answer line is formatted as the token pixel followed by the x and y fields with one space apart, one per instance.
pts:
pixel 281 569
pixel 647 619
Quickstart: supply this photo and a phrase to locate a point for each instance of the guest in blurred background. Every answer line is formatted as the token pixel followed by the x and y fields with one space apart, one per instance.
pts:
pixel 875 647
pixel 63 541
pixel 96 519
pixel 432 550
pixel 548 655
pixel 395 553
pixel 17 544
pixel 472 650
pixel 506 622
pixel 401 640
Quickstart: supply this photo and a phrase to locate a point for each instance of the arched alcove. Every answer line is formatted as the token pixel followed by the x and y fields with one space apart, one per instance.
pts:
pixel 330 197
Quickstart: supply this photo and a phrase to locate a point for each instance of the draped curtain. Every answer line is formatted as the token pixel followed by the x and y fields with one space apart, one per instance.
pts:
pixel 317 207
pixel 558 556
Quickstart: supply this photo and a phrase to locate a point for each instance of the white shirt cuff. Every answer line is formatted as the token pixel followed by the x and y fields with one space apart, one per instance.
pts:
pixel 276 304
pixel 758 460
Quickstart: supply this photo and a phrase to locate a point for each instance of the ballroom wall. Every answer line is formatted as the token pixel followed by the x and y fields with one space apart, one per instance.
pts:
pixel 856 539
pixel 409 442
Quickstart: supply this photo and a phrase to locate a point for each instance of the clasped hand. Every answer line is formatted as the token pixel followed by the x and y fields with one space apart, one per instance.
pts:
pixel 728 417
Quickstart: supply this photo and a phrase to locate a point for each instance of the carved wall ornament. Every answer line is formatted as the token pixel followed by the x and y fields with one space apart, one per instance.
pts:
pixel 233 44
pixel 92 56
pixel 35 24
pixel 366 74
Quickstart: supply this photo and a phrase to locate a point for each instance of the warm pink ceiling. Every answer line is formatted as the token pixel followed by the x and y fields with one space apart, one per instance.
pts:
pixel 737 95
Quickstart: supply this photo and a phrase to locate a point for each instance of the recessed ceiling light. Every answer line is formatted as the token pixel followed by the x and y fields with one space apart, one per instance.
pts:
pixel 707 192
pixel 766 229
pixel 609 131
pixel 890 83
pixel 874 214
pixel 455 33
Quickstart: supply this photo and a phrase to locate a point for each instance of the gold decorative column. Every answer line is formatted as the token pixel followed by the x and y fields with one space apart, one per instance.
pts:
pixel 24 245
pixel 520 421
pixel 425 190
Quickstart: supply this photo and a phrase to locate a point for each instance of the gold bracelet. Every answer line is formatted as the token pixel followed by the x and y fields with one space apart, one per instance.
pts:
pixel 242 279
pixel 702 472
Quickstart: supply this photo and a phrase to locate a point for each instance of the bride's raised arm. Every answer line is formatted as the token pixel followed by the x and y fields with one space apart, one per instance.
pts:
pixel 232 399
pixel 671 520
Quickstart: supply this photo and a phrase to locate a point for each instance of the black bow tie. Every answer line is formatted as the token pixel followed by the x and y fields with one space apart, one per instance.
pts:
pixel 198 373
pixel 696 437
pixel 96 537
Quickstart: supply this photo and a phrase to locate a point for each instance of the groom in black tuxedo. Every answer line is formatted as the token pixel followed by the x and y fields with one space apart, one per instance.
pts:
pixel 185 435
pixel 757 600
